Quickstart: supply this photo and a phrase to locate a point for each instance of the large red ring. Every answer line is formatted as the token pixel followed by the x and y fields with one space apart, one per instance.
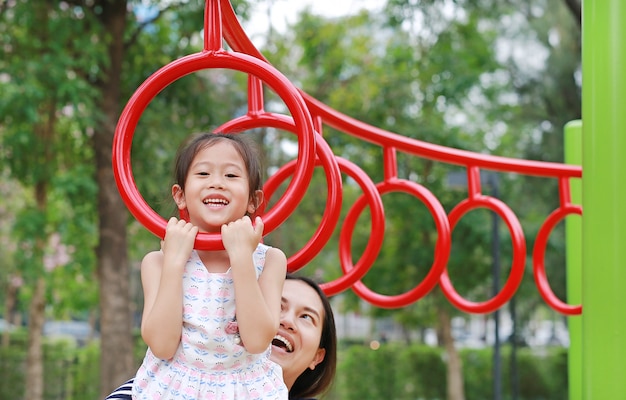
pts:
pixel 129 118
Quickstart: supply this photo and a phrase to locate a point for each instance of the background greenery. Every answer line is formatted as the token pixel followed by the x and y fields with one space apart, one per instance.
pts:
pixel 496 77
pixel 394 371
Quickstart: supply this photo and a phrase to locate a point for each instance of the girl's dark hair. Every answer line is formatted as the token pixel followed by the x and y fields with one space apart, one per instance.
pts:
pixel 316 381
pixel 201 141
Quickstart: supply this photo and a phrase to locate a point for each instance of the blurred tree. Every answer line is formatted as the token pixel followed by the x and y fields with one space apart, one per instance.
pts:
pixel 45 148
pixel 456 74
pixel 67 67
pixel 391 80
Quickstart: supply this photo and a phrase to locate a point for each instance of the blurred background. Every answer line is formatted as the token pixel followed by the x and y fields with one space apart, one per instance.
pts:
pixel 497 77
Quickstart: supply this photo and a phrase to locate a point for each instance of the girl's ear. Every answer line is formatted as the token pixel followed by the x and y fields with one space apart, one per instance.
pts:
pixel 179 198
pixel 256 201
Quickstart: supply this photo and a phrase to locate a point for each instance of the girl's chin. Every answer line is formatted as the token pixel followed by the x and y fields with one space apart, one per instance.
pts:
pixel 209 228
pixel 210 231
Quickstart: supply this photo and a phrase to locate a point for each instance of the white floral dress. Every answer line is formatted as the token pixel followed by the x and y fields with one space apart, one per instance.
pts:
pixel 210 363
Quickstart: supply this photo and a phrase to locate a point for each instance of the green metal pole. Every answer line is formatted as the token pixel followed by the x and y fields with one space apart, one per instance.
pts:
pixel 604 199
pixel 573 256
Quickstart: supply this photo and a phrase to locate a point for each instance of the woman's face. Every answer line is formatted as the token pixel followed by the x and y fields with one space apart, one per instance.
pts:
pixel 296 346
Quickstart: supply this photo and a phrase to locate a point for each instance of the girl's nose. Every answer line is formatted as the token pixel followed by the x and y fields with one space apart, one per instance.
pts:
pixel 216 182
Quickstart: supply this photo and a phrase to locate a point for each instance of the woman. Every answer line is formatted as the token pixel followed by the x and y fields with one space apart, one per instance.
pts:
pixel 305 345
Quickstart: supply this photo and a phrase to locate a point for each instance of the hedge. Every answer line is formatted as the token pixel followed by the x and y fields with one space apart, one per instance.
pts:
pixel 399 372
pixel 393 371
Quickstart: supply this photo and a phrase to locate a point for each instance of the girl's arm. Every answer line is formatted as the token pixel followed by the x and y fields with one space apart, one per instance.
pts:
pixel 257 301
pixel 161 277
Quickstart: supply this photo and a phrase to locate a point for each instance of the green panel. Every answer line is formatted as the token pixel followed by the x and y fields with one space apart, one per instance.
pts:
pixel 573 237
pixel 604 199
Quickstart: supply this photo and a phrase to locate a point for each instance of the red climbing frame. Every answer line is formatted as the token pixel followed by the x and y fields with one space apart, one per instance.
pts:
pixel 308 116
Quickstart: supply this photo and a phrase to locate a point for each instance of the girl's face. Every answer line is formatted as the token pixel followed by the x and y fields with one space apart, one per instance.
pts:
pixel 301 323
pixel 216 188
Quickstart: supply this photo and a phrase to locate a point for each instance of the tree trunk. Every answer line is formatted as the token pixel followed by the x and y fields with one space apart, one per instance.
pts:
pixel 455 389
pixel 44 132
pixel 34 358
pixel 9 310
pixel 116 363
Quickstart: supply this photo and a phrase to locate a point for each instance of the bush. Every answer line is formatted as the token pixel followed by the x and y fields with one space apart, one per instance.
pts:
pixel 69 372
pixel 12 364
pixel 419 367
pixel 413 372
pixel 394 372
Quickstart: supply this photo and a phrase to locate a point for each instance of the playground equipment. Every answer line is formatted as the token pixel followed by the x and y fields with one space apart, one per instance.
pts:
pixel 601 374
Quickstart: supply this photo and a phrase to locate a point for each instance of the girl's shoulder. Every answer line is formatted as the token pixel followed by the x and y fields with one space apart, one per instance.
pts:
pixel 272 262
pixel 153 254
pixel 153 258
pixel 271 254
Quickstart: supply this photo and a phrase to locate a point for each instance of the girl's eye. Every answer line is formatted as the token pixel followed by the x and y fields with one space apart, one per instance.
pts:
pixel 307 316
pixel 203 173
pixel 231 175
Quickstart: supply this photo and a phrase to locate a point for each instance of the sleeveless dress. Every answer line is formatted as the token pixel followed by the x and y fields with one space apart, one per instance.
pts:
pixel 209 362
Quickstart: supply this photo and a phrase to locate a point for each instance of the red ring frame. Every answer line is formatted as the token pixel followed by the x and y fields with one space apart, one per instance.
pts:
pixel 332 211
pixel 122 140
pixel 442 248
pixel 352 273
pixel 539 268
pixel 519 256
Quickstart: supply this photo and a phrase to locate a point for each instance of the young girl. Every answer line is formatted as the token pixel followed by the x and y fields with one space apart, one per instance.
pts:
pixel 209 316
pixel 309 361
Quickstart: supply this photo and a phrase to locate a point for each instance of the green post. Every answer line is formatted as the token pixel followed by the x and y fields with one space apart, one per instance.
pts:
pixel 573 256
pixel 604 199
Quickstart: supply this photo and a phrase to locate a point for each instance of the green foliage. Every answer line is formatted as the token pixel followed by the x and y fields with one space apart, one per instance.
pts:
pixel 409 372
pixel 69 372
pixel 478 368
pixel 393 371
pixel 451 80
pixel 455 75
pixel 51 84
pixel 420 371
pixel 379 380
pixel 405 83
pixel 46 109
pixel 43 76
pixel 13 366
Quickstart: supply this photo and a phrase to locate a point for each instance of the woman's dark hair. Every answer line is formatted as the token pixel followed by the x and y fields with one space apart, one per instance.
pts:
pixel 317 381
pixel 198 142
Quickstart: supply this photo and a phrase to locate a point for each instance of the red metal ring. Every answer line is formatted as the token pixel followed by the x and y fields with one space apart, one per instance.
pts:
pixel 442 248
pixel 519 256
pixel 279 121
pixel 539 268
pixel 372 197
pixel 332 211
pixel 325 157
pixel 129 118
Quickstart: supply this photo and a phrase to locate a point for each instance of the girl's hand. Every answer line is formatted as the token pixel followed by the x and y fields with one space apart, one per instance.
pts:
pixel 178 242
pixel 241 235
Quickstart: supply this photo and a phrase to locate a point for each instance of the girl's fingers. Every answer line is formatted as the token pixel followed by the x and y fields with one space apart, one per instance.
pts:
pixel 258 226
